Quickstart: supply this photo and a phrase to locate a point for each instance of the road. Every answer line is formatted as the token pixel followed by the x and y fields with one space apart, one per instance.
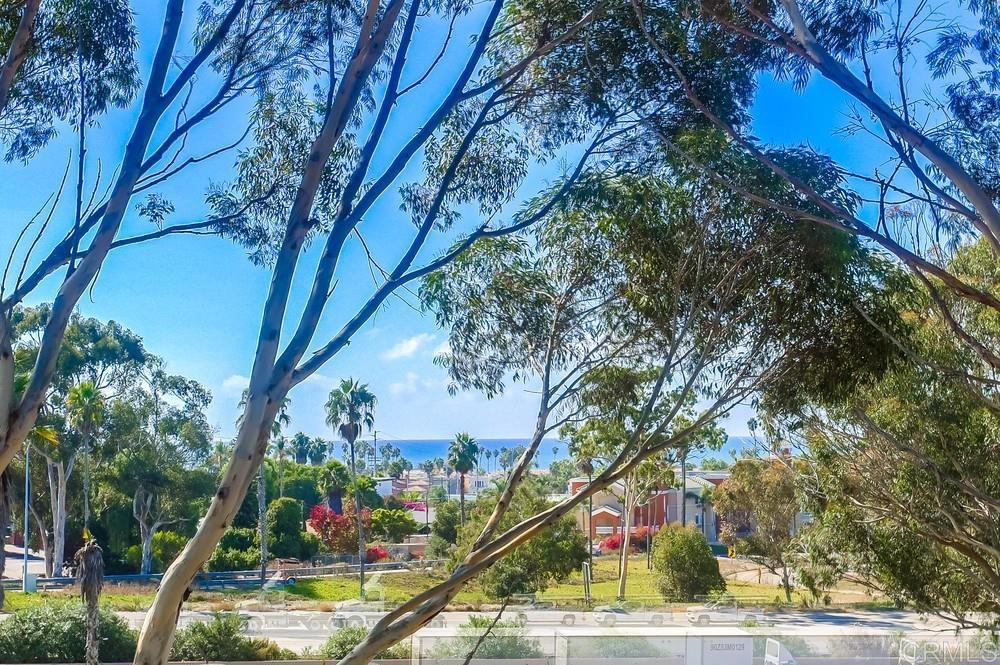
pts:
pixel 15 563
pixel 298 630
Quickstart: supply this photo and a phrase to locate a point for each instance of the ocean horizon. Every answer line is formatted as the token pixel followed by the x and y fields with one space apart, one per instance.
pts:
pixel 418 450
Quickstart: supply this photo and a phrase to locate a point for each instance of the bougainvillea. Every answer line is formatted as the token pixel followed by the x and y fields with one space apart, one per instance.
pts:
pixel 376 553
pixel 338 531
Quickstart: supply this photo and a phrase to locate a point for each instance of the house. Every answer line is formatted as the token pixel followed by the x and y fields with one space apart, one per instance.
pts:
pixel 664 506
pixel 475 482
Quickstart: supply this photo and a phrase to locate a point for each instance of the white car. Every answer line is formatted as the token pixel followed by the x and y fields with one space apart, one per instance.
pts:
pixel 723 613
pixel 611 615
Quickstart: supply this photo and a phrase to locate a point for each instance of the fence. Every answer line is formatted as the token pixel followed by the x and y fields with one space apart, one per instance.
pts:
pixel 237 578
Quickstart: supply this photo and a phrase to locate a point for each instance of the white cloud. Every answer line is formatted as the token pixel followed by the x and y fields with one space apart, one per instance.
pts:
pixel 415 383
pixel 405 387
pixel 443 347
pixel 407 347
pixel 236 384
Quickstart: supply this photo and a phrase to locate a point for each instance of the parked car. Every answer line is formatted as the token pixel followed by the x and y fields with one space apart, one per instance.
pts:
pixel 611 615
pixel 723 612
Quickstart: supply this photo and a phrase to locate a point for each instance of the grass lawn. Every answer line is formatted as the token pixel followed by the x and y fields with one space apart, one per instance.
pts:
pixel 641 587
pixel 324 593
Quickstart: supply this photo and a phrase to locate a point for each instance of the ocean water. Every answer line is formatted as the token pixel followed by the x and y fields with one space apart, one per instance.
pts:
pixel 418 450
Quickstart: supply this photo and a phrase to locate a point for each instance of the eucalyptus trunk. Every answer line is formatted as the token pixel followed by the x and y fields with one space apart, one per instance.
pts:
pixel 58 474
pixel 146 534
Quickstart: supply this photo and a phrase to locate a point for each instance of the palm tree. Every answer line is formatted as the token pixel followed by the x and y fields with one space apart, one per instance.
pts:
pixel 281 421
pixel 428 467
pixel 85 413
pixel 462 457
pixel 317 451
pixel 90 577
pixel 221 451
pixel 301 446
pixel 349 409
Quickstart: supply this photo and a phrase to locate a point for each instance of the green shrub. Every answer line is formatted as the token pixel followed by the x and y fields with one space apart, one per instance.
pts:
pixel 310 545
pixel 240 538
pixel 133 558
pixel 341 642
pixel 166 546
pixel 393 525
pixel 56 632
pixel 222 639
pixel 224 559
pixel 284 528
pixel 507 640
pixel 684 564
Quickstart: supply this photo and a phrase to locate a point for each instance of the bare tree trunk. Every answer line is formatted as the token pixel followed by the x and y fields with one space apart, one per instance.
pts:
pixel 146 534
pixel 17 53
pixel 786 583
pixel 58 480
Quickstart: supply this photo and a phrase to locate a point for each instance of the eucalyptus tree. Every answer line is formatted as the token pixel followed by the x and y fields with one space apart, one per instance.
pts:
pixel 95 359
pixel 462 455
pixel 350 410
pixel 921 530
pixel 325 137
pixel 242 41
pixel 159 441
pixel 79 61
pixel 610 405
pixel 758 504
pixel 723 295
pixel 20 28
pixel 921 89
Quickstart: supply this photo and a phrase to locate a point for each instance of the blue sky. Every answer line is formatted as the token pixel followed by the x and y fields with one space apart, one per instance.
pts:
pixel 196 301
